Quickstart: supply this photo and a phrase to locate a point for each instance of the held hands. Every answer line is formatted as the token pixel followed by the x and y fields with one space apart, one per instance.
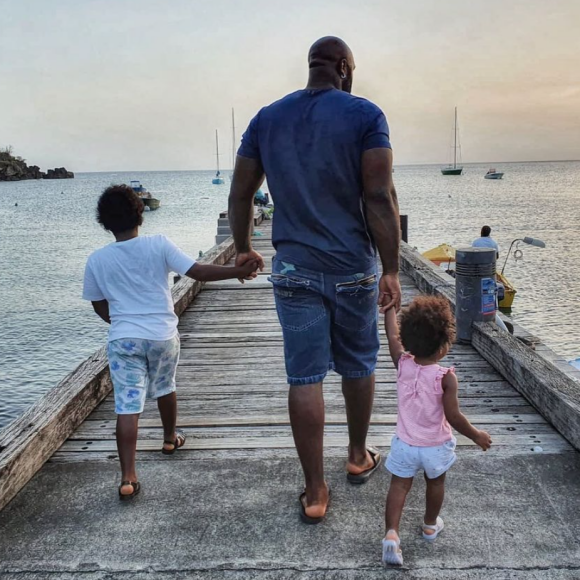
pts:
pixel 249 264
pixel 483 439
pixel 389 292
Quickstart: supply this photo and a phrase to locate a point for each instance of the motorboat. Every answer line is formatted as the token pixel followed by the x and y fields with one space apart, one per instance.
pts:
pixel 493 174
pixel 149 201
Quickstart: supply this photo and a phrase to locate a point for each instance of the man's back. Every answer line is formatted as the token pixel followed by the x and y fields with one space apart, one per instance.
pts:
pixel 310 144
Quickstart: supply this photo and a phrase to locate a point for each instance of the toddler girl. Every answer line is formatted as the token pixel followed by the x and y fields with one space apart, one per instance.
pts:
pixel 427 409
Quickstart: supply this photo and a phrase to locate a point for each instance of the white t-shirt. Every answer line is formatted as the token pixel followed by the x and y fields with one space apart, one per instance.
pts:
pixel 133 277
pixel 485 242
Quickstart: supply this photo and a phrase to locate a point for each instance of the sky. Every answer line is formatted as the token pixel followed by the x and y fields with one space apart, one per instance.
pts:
pixel 113 85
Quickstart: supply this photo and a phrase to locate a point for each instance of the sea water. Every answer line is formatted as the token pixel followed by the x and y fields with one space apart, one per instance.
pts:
pixel 46 329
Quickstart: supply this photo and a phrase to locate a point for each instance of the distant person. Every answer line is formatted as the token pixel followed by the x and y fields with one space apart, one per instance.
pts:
pixel 328 161
pixel 127 282
pixel 428 408
pixel 486 241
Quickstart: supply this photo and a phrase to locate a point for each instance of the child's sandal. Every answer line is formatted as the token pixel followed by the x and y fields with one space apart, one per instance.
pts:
pixel 437 529
pixel 177 443
pixel 136 489
pixel 392 553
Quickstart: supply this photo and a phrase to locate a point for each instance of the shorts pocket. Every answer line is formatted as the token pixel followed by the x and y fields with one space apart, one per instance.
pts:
pixel 298 306
pixel 356 303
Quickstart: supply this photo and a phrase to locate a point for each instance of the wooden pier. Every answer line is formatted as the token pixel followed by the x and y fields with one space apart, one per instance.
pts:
pixel 226 505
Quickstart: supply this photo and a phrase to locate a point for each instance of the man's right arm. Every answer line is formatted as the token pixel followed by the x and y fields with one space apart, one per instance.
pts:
pixel 383 218
pixel 248 176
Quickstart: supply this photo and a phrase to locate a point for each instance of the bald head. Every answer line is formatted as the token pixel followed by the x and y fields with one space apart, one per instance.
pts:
pixel 329 50
pixel 330 57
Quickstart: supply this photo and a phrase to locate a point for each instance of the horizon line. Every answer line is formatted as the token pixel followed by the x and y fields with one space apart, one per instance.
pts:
pixel 395 165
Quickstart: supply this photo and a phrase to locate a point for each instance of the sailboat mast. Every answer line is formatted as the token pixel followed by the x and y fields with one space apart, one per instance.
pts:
pixel 217 151
pixel 233 140
pixel 455 141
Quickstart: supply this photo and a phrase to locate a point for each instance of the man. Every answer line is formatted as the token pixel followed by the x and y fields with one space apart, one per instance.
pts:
pixel 486 241
pixel 328 161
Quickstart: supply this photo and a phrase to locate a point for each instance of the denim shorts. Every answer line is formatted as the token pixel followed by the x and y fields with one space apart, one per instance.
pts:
pixel 141 369
pixel 328 321
pixel 406 460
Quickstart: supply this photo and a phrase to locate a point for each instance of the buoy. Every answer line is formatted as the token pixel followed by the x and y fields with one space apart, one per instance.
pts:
pixel 15 205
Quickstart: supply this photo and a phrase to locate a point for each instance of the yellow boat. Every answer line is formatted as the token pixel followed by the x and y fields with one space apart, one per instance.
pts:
pixel 442 254
pixel 445 254
pixel 509 294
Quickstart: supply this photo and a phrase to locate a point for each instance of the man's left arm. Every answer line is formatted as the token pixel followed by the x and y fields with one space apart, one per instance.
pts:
pixel 382 211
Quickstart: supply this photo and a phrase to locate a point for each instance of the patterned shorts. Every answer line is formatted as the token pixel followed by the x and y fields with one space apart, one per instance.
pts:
pixel 141 369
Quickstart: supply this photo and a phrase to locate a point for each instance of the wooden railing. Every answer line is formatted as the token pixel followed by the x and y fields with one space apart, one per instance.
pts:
pixel 550 384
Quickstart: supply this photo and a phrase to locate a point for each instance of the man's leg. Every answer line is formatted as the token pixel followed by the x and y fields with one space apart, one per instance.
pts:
pixel 355 346
pixel 306 407
pixel 358 395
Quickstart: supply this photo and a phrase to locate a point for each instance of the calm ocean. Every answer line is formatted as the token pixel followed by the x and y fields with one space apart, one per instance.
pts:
pixel 47 330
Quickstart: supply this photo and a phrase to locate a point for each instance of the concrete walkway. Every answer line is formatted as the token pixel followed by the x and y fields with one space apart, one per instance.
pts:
pixel 224 516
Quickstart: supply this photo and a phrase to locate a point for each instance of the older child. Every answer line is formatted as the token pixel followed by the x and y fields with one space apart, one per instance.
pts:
pixel 427 409
pixel 127 283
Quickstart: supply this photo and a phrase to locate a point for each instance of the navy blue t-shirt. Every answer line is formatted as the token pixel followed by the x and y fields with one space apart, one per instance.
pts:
pixel 310 144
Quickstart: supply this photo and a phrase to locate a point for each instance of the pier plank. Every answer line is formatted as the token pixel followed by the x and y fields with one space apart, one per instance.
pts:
pixel 232 368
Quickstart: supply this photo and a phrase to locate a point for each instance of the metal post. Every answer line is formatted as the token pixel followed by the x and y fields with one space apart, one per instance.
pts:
pixel 404 221
pixel 475 289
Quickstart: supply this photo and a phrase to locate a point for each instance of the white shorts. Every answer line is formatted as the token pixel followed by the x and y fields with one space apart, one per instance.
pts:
pixel 406 460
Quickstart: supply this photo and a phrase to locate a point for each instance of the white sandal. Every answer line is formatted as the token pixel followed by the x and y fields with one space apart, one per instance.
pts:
pixel 392 553
pixel 437 529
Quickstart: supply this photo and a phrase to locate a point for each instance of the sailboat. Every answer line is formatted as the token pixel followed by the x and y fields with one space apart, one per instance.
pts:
pixel 233 145
pixel 218 179
pixel 453 169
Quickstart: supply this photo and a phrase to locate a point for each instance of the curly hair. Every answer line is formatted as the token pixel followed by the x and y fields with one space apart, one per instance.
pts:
pixel 119 209
pixel 426 326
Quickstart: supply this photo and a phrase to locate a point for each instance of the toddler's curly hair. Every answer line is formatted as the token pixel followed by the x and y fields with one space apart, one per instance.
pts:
pixel 426 326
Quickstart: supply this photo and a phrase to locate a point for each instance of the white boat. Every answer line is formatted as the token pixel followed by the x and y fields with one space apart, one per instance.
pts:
pixel 493 174
pixel 453 169
pixel 218 179
pixel 148 200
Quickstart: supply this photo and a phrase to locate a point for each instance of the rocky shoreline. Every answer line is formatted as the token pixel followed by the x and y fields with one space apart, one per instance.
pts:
pixel 15 169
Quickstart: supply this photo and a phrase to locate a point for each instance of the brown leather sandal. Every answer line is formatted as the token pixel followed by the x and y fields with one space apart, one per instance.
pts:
pixel 177 443
pixel 136 489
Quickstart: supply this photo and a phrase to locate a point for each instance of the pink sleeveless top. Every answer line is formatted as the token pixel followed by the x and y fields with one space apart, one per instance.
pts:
pixel 421 419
